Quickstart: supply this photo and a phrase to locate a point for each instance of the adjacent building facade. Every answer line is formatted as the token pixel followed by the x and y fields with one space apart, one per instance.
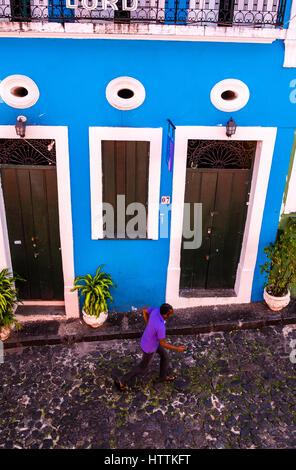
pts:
pixel 129 158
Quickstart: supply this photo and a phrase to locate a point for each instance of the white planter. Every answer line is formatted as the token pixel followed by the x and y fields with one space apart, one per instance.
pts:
pixel 93 321
pixel 4 333
pixel 276 303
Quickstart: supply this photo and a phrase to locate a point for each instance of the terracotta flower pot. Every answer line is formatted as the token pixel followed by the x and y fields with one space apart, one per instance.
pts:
pixel 4 332
pixel 93 321
pixel 276 303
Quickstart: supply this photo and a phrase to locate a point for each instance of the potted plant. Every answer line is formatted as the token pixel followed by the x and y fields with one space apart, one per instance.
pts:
pixel 280 269
pixel 95 290
pixel 8 301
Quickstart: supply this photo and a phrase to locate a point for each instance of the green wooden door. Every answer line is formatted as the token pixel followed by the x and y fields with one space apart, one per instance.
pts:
pixel 31 204
pixel 224 194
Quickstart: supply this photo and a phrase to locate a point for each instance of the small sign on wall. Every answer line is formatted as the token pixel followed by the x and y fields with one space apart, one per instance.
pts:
pixel 165 199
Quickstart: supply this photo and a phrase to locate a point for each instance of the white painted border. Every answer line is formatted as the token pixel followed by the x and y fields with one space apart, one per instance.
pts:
pixel 60 135
pixel 265 136
pixel 290 205
pixel 290 39
pixel 54 303
pixel 136 31
pixel 152 135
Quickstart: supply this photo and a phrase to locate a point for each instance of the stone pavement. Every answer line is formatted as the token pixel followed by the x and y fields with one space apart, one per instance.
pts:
pixel 235 389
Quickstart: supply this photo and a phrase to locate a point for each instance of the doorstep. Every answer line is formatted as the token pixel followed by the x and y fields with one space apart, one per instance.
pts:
pixel 127 325
pixel 27 313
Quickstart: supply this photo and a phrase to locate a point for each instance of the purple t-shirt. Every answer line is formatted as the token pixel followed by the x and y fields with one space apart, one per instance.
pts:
pixel 154 331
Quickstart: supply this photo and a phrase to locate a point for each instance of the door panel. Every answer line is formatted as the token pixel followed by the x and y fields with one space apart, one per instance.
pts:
pixel 228 225
pixel 31 203
pixel 223 194
pixel 41 234
pixel 200 188
pixel 218 176
pixel 23 192
pixel 54 236
pixel 15 220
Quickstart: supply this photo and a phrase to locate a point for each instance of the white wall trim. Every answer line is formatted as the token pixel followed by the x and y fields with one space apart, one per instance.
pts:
pixel 290 40
pixel 5 258
pixel 290 205
pixel 38 317
pixel 134 31
pixel 60 135
pixel 152 135
pixel 265 136
pixel 45 303
pixel 290 53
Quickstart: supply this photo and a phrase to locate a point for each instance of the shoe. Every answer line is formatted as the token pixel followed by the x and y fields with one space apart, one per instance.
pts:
pixel 120 386
pixel 168 378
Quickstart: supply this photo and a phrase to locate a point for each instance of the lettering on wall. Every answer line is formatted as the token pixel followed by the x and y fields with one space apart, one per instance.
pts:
pixel 93 4
pixel 293 92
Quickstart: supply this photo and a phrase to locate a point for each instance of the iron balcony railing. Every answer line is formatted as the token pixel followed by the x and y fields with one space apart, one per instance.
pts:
pixel 252 13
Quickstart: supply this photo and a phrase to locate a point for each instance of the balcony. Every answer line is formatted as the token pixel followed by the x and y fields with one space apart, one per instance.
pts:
pixel 220 13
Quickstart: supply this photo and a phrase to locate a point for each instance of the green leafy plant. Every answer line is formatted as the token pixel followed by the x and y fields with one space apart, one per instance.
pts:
pixel 281 268
pixel 95 290
pixel 9 297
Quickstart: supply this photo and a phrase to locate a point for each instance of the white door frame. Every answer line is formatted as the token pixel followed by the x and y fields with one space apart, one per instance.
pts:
pixel 265 137
pixel 290 204
pixel 99 134
pixel 60 135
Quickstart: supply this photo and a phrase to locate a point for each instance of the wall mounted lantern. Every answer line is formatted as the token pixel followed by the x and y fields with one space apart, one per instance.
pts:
pixel 230 128
pixel 20 126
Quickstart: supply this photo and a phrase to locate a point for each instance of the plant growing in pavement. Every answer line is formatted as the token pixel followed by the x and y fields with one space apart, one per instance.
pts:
pixel 280 268
pixel 95 290
pixel 9 298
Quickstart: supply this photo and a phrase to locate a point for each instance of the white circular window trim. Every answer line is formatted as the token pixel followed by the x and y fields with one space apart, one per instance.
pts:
pixel 237 87
pixel 125 83
pixel 19 81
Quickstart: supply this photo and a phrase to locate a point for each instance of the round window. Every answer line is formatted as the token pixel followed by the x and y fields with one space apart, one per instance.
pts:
pixel 125 93
pixel 19 91
pixel 230 95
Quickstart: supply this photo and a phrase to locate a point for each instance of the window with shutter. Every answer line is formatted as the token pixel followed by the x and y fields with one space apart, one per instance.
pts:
pixel 125 171
pixel 125 165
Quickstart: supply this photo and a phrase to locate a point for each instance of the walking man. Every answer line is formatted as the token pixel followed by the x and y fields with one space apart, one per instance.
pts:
pixel 153 340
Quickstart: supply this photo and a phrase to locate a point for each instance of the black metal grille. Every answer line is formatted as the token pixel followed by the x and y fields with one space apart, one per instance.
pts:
pixel 220 154
pixel 221 13
pixel 27 152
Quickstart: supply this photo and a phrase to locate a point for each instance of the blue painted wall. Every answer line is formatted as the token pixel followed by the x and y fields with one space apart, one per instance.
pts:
pixel 72 76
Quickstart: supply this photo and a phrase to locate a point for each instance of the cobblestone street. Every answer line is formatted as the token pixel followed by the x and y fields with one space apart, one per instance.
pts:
pixel 232 390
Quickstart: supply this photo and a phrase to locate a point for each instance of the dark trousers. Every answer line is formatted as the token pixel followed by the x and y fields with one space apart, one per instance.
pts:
pixel 142 367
